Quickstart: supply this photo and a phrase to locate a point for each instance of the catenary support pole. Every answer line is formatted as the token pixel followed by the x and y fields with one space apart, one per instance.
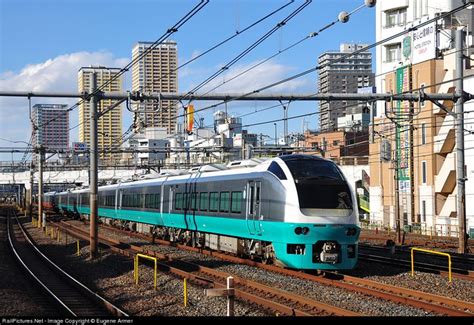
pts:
pixel 30 195
pixel 93 186
pixel 459 110
pixel 40 186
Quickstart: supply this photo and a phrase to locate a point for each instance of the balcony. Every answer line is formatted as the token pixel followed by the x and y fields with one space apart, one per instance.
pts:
pixel 445 181
pixel 445 140
pixel 449 207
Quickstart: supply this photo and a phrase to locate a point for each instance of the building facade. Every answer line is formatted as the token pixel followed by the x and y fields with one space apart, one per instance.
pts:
pixel 156 72
pixel 413 153
pixel 346 76
pixel 109 125
pixel 337 144
pixel 52 121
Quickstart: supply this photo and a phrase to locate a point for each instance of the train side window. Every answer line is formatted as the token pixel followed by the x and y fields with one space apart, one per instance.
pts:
pixel 213 201
pixel 236 205
pixel 141 200
pixel 204 201
pixel 157 201
pixel 276 170
pixel 193 201
pixel 179 201
pixel 224 202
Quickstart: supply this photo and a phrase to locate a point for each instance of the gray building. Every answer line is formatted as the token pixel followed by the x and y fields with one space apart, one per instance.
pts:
pixel 345 76
pixel 52 121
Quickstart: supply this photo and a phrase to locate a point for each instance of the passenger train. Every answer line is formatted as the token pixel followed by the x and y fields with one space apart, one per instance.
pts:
pixel 296 210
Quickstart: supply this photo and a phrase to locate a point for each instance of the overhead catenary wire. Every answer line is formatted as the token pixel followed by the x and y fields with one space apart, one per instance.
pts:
pixel 336 60
pixel 248 49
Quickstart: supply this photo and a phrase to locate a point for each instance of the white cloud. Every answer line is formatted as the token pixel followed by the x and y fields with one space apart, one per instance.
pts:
pixel 58 74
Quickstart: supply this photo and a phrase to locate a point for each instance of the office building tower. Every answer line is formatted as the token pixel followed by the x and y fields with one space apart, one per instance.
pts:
pixel 109 125
pixel 156 72
pixel 346 76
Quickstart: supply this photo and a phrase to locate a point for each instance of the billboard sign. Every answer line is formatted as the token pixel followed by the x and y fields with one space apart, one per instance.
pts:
pixel 402 135
pixel 424 43
pixel 79 146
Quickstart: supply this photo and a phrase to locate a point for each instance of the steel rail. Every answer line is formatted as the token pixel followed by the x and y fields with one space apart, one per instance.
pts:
pixel 415 298
pixel 42 285
pixel 304 306
pixel 111 309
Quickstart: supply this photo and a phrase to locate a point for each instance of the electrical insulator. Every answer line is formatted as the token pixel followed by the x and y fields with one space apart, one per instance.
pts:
pixel 343 17
pixel 370 3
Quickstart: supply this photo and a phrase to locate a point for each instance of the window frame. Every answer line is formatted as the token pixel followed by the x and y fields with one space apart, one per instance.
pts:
pixel 216 200
pixel 233 204
pixel 223 202
pixel 205 200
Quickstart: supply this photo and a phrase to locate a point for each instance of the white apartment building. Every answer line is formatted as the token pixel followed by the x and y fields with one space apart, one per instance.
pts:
pixel 422 57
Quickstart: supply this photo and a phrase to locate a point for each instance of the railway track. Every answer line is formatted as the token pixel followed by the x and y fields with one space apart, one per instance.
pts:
pixel 282 302
pixel 459 273
pixel 432 303
pixel 70 296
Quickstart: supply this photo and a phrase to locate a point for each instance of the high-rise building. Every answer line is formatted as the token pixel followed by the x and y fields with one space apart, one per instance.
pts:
pixel 156 72
pixel 345 76
pixel 52 121
pixel 413 161
pixel 109 125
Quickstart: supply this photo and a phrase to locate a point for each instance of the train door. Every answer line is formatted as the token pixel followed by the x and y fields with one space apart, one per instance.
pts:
pixel 119 203
pixel 253 207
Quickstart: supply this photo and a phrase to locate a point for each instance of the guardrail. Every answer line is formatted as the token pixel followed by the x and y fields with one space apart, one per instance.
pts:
pixel 431 252
pixel 135 266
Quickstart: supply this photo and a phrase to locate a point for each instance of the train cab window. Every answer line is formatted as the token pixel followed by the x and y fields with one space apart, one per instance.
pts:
pixel 224 202
pixel 275 169
pixel 203 201
pixel 236 205
pixel 178 203
pixel 320 184
pixel 213 201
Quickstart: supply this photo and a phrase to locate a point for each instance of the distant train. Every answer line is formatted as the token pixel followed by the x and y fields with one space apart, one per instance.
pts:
pixel 297 210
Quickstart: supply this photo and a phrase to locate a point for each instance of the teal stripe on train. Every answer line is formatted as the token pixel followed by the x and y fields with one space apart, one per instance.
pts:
pixel 279 233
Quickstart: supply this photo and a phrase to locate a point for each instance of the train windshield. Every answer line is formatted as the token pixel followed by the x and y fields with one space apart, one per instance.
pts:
pixel 320 185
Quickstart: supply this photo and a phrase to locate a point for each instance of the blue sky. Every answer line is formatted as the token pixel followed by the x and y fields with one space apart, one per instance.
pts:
pixel 44 42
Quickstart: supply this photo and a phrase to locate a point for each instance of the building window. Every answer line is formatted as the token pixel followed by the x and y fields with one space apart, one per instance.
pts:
pixel 423 133
pixel 395 17
pixel 423 211
pixel 392 52
pixel 424 171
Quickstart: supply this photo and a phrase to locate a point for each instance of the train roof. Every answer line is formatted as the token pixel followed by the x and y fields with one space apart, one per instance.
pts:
pixel 231 170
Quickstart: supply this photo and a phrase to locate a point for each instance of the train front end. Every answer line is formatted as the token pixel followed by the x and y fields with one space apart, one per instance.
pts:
pixel 321 216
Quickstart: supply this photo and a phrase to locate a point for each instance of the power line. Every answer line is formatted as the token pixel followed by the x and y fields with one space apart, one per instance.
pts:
pixel 343 57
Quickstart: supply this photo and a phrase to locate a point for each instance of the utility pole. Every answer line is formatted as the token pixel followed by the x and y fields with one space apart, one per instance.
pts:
pixel 285 125
pixel 459 109
pixel 30 196
pixel 94 162
pixel 397 198
pixel 41 222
